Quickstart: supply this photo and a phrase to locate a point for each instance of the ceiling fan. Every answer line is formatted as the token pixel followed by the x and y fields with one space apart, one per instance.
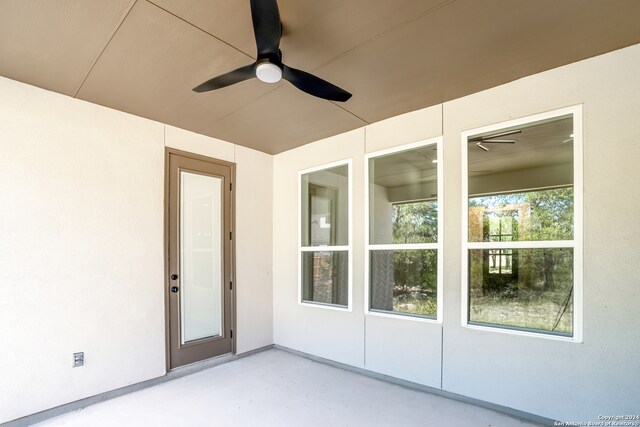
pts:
pixel 570 139
pixel 492 139
pixel 269 67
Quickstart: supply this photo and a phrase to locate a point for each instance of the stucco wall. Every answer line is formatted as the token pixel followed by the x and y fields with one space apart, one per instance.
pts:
pixel 81 251
pixel 560 380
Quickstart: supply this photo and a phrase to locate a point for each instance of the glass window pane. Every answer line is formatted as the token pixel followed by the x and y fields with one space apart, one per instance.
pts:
pixel 527 216
pixel 403 191
pixel 200 256
pixel 325 277
pixel 404 281
pixel 325 207
pixel 521 183
pixel 522 288
pixel 415 222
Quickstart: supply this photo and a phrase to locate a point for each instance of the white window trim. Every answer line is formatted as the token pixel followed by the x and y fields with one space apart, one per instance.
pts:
pixel 348 248
pixel 438 246
pixel 576 243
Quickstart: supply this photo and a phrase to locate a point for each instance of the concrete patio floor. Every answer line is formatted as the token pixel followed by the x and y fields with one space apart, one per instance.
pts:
pixel 277 388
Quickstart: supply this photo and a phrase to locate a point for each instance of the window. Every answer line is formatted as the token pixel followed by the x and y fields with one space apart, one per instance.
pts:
pixel 522 226
pixel 404 262
pixel 325 252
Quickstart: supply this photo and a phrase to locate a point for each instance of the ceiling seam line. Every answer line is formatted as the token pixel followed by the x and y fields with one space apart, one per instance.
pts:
pixel 270 92
pixel 353 114
pixel 385 32
pixel 433 9
pixel 243 106
pixel 93 64
pixel 204 31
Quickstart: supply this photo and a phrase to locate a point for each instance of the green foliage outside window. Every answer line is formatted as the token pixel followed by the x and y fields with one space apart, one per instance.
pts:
pixel 415 271
pixel 537 293
pixel 415 222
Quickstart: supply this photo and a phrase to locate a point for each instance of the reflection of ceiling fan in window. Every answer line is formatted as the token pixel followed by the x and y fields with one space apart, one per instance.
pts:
pixel 570 139
pixel 494 139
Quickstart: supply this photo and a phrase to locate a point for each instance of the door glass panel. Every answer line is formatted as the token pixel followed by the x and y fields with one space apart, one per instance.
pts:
pixel 200 256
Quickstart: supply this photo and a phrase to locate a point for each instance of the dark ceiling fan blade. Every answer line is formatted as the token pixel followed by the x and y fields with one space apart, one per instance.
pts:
pixel 266 27
pixel 314 85
pixel 227 79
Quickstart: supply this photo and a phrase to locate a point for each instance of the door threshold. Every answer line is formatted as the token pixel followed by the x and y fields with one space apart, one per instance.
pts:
pixel 192 368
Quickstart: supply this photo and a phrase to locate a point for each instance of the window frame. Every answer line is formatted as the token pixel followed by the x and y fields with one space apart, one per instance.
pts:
pixel 347 248
pixel 438 246
pixel 576 244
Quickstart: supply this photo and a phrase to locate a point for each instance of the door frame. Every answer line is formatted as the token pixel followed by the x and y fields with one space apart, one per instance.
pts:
pixel 166 261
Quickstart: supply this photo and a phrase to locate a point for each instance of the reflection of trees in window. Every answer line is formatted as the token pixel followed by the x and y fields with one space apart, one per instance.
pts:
pixel 415 222
pixel 415 281
pixel 532 215
pixel 402 242
pixel 539 214
pixel 533 285
pixel 414 271
pixel 411 274
pixel 526 302
pixel 500 261
pixel 501 226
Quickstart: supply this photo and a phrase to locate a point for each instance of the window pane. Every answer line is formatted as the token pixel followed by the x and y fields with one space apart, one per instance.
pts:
pixel 201 267
pixel 521 182
pixel 325 277
pixel 415 222
pixel 522 288
pixel 325 207
pixel 404 281
pixel 403 191
pixel 527 216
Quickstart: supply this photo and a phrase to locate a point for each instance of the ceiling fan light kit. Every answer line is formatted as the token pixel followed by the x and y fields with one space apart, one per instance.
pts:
pixel 268 72
pixel 268 67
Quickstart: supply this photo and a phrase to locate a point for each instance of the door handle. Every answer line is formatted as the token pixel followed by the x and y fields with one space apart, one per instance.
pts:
pixel 174 289
pixel 174 277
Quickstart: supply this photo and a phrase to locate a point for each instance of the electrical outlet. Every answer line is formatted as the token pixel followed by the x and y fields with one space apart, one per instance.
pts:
pixel 78 359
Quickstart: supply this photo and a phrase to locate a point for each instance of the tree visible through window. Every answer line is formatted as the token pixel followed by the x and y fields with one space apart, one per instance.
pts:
pixel 403 231
pixel 521 221
pixel 415 271
pixel 508 285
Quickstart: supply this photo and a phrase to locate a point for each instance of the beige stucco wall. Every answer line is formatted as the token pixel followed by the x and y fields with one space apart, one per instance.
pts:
pixel 554 379
pixel 81 251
